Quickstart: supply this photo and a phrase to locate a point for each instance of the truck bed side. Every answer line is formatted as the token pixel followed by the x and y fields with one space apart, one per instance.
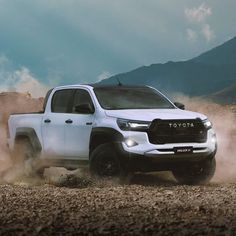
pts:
pixel 21 121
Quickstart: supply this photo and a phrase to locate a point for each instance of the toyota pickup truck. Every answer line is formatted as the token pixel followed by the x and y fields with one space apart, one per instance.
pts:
pixel 115 130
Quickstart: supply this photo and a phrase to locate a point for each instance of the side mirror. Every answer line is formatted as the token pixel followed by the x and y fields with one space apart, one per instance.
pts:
pixel 84 108
pixel 179 105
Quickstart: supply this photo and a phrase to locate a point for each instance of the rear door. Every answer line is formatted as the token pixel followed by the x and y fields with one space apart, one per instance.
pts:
pixel 78 129
pixel 54 122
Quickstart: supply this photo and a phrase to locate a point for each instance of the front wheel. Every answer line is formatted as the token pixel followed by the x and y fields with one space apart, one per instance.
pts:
pixel 199 173
pixel 105 162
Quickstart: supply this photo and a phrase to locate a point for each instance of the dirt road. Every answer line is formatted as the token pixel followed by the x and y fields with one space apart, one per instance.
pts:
pixel 147 205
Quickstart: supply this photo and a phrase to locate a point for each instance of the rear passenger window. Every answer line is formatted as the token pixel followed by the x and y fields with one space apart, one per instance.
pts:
pixel 61 101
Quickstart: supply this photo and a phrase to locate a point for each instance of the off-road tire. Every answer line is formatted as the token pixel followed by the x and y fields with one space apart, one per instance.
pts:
pixel 199 173
pixel 105 161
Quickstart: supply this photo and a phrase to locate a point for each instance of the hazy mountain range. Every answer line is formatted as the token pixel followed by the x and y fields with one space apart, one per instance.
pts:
pixel 212 74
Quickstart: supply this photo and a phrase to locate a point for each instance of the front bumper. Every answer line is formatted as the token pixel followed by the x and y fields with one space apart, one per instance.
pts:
pixel 135 162
pixel 149 157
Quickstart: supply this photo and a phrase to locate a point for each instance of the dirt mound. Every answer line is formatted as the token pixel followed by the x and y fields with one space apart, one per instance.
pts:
pixel 14 102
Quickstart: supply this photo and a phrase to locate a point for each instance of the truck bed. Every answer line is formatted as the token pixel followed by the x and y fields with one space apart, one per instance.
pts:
pixel 24 120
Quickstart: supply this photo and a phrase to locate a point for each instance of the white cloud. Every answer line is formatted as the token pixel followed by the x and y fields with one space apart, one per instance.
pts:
pixel 208 32
pixel 198 14
pixel 25 82
pixel 191 35
pixel 104 75
pixel 19 80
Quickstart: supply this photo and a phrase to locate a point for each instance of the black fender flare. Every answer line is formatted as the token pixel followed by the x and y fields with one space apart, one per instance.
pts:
pixel 25 132
pixel 101 135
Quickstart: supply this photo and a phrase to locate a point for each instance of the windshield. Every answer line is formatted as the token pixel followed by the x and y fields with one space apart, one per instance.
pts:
pixel 115 98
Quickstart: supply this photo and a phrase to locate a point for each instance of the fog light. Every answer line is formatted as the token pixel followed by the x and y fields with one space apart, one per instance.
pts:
pixel 130 142
pixel 213 139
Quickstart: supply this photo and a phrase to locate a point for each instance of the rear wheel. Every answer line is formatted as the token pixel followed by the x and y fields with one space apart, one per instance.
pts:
pixel 105 162
pixel 199 173
pixel 24 158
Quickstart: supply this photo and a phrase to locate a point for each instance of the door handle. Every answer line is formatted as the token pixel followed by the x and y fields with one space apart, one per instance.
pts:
pixel 47 121
pixel 69 121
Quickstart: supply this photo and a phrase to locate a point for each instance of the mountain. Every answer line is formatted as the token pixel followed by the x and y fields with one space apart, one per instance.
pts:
pixel 224 96
pixel 224 54
pixel 206 74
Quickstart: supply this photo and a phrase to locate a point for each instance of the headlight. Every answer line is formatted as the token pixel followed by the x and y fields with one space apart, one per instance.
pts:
pixel 207 124
pixel 133 125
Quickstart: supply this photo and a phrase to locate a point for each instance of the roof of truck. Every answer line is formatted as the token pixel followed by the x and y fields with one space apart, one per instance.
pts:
pixel 99 85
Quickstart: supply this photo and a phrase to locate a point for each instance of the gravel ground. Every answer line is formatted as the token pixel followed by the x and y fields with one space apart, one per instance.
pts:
pixel 148 205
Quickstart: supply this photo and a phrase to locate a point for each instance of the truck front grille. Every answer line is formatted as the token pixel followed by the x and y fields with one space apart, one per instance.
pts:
pixel 177 131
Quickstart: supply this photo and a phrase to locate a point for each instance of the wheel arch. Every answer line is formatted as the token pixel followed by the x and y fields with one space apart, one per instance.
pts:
pixel 101 135
pixel 31 135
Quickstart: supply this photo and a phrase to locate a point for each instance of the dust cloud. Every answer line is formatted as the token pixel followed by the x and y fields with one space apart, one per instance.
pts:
pixel 223 118
pixel 13 102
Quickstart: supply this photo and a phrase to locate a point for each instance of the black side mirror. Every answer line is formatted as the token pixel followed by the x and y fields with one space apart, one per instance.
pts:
pixel 179 105
pixel 84 108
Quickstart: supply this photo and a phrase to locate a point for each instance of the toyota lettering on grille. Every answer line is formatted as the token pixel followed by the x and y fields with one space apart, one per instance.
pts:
pixel 181 125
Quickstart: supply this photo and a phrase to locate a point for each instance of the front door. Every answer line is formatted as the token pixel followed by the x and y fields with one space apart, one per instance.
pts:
pixel 79 127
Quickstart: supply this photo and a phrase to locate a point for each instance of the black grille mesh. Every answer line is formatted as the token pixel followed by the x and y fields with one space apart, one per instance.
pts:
pixel 177 131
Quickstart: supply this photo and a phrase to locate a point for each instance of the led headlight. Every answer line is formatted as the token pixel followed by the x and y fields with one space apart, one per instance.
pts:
pixel 207 124
pixel 133 125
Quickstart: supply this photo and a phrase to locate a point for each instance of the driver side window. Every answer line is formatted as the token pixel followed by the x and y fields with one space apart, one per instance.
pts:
pixel 81 97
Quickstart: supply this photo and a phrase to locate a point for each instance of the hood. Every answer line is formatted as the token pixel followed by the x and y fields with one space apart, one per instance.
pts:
pixel 151 114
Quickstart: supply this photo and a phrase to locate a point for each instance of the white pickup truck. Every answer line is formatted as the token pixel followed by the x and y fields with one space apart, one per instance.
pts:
pixel 115 130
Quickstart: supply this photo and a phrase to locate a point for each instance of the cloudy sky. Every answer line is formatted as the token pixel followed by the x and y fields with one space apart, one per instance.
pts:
pixel 80 41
